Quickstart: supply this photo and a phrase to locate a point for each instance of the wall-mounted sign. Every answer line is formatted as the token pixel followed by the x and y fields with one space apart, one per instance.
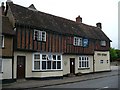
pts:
pixel 85 42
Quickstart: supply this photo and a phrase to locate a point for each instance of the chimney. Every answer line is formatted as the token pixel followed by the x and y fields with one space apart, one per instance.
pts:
pixel 9 1
pixel 79 19
pixel 99 25
pixel 2 8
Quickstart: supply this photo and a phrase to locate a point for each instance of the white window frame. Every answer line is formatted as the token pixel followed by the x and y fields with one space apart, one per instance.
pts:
pixel 78 41
pixel 35 60
pixel 107 61
pixel 41 35
pixel 86 62
pixel 1 70
pixel 101 61
pixel 2 41
pixel 47 60
pixel 103 43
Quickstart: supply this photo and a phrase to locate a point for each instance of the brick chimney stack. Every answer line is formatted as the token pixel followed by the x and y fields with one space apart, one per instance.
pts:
pixel 79 19
pixel 99 25
pixel 2 8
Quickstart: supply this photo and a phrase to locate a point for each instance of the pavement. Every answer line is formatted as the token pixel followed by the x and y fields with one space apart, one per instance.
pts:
pixel 31 84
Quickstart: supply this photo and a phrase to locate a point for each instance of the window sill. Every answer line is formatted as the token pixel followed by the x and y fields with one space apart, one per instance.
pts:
pixel 83 68
pixel 2 47
pixel 103 46
pixel 40 41
pixel 45 70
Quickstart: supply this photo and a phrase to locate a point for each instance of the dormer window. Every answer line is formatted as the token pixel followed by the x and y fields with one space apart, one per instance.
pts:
pixel 103 43
pixel 77 41
pixel 39 35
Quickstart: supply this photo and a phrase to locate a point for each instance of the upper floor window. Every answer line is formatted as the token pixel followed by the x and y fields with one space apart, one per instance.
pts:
pixel 2 41
pixel 103 43
pixel 77 41
pixel 39 35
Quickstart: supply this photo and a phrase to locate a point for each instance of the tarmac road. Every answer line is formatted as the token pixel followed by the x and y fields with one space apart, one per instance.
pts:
pixel 105 82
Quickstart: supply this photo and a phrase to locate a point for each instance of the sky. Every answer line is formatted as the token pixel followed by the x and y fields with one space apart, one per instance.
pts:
pixel 91 11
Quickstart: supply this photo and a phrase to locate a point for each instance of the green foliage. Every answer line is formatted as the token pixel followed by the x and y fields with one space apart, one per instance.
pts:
pixel 118 53
pixel 113 54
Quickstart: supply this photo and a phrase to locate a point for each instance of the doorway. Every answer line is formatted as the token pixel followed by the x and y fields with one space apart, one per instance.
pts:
pixel 20 67
pixel 72 65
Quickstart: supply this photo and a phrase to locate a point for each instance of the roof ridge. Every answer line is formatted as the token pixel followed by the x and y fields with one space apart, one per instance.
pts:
pixel 38 11
pixel 55 23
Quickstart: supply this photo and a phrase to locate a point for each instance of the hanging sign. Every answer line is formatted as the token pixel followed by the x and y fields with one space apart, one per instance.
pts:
pixel 85 42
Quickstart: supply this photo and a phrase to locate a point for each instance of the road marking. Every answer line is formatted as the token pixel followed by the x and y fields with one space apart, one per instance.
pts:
pixel 105 87
pixel 102 88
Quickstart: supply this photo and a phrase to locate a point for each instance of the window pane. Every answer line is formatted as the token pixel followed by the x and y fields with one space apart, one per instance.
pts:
pixel 43 64
pixel 54 64
pixel 49 57
pixel 82 58
pixel 48 64
pixel 44 57
pixel 36 64
pixel 39 36
pixel 58 64
pixel 80 64
pixel 101 61
pixel 79 58
pixel 43 36
pixel 35 34
pixel 107 61
pixel 58 57
pixel 54 57
pixel 0 64
pixel 87 64
pixel 103 43
pixel 36 56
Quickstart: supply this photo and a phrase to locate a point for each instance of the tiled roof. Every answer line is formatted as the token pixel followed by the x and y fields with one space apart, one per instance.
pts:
pixel 6 26
pixel 54 23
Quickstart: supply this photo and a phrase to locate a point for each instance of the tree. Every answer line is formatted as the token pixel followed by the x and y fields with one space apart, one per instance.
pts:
pixel 118 54
pixel 113 54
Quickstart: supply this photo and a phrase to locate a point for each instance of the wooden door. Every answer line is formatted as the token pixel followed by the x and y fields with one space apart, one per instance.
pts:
pixel 72 65
pixel 20 67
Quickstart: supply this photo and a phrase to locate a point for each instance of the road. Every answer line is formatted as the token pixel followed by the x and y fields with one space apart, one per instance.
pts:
pixel 106 82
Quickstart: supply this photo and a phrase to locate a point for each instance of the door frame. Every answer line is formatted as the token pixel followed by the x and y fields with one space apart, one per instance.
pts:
pixel 24 67
pixel 72 66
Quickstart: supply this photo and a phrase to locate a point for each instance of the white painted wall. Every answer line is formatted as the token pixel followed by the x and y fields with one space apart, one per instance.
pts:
pixel 28 69
pixel 66 64
pixel 102 67
pixel 7 68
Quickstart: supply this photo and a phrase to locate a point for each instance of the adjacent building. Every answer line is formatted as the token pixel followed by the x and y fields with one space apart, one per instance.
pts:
pixel 50 46
pixel 6 47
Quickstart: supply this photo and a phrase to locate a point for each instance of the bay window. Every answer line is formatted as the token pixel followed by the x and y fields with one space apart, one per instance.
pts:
pixel 47 62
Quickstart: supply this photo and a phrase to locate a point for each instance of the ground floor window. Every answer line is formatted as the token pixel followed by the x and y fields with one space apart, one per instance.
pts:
pixel 1 65
pixel 84 62
pixel 47 62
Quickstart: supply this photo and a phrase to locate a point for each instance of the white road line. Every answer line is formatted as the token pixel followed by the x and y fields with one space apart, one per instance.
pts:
pixel 102 88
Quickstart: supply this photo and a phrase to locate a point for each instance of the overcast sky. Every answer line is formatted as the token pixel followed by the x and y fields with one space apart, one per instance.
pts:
pixel 91 11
